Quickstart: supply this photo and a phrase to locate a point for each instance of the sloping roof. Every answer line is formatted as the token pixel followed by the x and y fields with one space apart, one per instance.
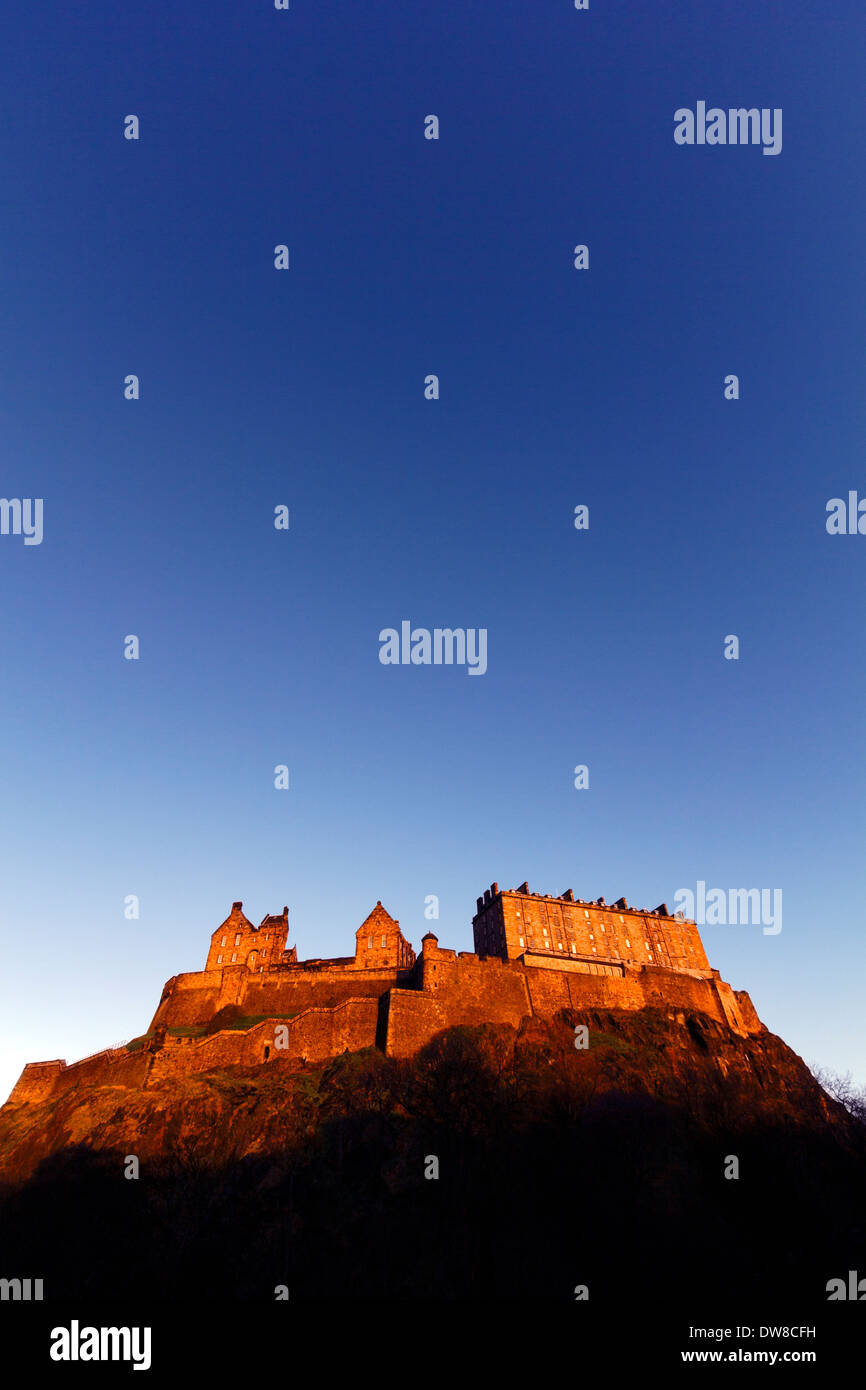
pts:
pixel 236 921
pixel 379 917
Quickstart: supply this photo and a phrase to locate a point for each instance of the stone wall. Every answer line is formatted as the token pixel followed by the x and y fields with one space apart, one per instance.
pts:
pixel 315 1035
pixel 36 1082
pixel 337 1009
pixel 193 1000
pixel 468 989
pixel 748 1012
pixel 114 1067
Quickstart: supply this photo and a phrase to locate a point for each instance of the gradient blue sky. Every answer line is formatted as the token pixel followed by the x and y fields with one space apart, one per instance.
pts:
pixel 306 388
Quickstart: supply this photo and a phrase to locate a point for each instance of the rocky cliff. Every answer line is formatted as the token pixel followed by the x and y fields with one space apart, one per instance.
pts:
pixel 498 1161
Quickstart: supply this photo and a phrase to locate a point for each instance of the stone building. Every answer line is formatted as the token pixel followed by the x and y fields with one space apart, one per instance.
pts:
pixel 569 933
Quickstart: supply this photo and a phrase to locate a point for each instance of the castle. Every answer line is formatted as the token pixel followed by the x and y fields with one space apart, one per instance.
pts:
pixel 255 1002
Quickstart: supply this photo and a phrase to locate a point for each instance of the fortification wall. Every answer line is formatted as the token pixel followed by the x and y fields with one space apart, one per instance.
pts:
pixel 471 990
pixel 188 1000
pixel 114 1067
pixel 413 1019
pixel 346 1010
pixel 315 1035
pixel 638 988
pixel 291 991
pixel 738 1011
pixel 457 989
pixel 748 1012
pixel 193 1000
pixel 36 1082
pixel 478 989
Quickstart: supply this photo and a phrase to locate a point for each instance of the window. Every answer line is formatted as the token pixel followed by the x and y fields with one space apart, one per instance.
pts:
pixel 234 956
pixel 384 942
pixel 219 960
pixel 223 942
pixel 573 948
pixel 238 939
pixel 369 943
pixel 628 943
pixel 520 939
pixel 559 945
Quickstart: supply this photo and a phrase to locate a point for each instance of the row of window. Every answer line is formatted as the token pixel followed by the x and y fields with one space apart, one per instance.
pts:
pixel 238 939
pixel 585 913
pixel 560 947
pixel 235 956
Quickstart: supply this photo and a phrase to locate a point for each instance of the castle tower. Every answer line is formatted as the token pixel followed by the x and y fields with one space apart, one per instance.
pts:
pixel 237 942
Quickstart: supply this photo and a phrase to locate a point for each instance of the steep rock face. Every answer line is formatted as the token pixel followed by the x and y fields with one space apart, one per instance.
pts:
pixel 555 1163
pixel 685 1060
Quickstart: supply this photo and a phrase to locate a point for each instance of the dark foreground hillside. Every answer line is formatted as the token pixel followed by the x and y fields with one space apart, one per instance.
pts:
pixel 557 1167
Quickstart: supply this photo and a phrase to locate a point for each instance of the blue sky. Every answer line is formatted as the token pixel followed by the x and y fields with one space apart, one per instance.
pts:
pixel 305 388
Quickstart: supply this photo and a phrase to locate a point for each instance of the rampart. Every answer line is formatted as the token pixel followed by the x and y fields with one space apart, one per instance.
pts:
pixel 113 1067
pixel 466 989
pixel 193 1000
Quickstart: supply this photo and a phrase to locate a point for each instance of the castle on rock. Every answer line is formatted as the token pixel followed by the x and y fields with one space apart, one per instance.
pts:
pixel 255 1003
